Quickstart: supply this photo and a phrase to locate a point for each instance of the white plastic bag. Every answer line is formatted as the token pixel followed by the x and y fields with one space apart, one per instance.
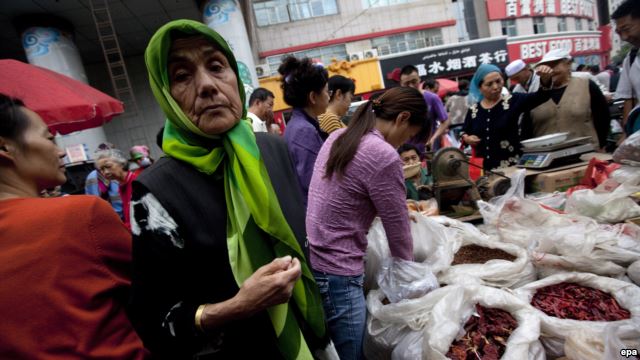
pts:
pixel 587 344
pixel 497 272
pixel 555 330
pixel 627 174
pixel 448 317
pixel 575 243
pixel 400 279
pixel 432 245
pixel 491 210
pixel 388 325
pixel 611 207
pixel 633 272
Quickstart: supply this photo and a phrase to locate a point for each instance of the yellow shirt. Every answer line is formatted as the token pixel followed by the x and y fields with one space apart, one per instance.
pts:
pixel 330 122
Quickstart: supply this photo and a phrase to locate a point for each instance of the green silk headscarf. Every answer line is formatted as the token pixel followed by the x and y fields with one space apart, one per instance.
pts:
pixel 252 204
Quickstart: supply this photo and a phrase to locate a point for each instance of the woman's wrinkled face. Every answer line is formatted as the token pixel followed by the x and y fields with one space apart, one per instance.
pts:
pixel 111 169
pixel 204 84
pixel 401 130
pixel 37 157
pixel 491 87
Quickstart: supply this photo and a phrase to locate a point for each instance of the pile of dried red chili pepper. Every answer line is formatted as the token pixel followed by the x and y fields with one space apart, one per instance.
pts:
pixel 486 335
pixel 577 302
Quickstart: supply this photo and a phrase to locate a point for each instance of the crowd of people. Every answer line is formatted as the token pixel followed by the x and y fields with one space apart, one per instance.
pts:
pixel 238 243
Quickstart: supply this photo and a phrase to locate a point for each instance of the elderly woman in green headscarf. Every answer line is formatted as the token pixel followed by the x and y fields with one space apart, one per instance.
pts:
pixel 219 265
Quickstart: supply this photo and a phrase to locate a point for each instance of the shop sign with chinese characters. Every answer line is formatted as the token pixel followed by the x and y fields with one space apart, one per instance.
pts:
pixel 533 50
pixel 503 9
pixel 448 61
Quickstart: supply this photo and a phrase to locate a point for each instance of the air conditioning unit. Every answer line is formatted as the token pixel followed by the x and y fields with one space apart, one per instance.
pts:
pixel 356 56
pixel 263 70
pixel 371 53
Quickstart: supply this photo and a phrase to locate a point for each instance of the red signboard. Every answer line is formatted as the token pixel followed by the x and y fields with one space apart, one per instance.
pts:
pixel 533 50
pixel 505 9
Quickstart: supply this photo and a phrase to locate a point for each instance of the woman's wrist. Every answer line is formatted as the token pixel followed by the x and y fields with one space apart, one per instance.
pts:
pixel 211 316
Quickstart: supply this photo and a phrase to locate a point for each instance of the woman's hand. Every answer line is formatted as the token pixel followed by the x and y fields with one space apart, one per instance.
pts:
pixel 545 72
pixel 270 285
pixel 471 140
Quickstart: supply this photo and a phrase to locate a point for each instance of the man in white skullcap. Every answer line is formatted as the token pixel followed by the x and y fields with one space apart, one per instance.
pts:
pixel 527 81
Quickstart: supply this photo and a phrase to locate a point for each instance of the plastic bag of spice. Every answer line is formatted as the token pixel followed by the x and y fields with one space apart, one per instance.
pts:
pixel 389 324
pixel 555 330
pixel 432 245
pixel 604 206
pixel 481 259
pixel 450 322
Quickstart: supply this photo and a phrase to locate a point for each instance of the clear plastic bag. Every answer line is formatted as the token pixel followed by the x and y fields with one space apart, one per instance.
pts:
pixel 628 150
pixel 432 245
pixel 611 207
pixel 400 279
pixel 588 344
pixel 554 330
pixel 627 174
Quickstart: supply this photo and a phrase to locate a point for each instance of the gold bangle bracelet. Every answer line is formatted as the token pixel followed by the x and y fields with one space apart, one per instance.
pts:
pixel 198 317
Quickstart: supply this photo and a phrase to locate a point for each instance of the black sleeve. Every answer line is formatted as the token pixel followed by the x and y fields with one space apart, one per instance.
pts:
pixel 599 113
pixel 526 126
pixel 160 314
pixel 533 100
pixel 466 127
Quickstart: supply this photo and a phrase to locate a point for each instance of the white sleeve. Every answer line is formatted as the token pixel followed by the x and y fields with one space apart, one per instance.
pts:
pixel 624 89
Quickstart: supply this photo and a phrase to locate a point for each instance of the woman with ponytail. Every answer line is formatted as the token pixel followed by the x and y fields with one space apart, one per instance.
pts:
pixel 358 176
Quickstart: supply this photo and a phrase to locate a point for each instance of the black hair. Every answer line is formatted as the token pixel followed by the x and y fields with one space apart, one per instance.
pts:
pixel 408 70
pixel 260 94
pixel 13 120
pixel 339 82
pixel 628 7
pixel 408 147
pixel 430 83
pixel 581 67
pixel 386 107
pixel 463 85
pixel 595 69
pixel 300 77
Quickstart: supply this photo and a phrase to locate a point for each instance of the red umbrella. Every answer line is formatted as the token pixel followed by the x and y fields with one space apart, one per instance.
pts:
pixel 446 86
pixel 65 104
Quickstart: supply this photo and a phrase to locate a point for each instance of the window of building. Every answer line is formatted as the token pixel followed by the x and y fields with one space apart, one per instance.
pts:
pixel 592 25
pixel 281 11
pixel 578 24
pixel 538 25
pixel 408 41
pixel 378 3
pixel 562 24
pixel 509 27
pixel 323 54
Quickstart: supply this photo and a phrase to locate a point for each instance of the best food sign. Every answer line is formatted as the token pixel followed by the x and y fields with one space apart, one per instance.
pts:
pixel 504 9
pixel 533 50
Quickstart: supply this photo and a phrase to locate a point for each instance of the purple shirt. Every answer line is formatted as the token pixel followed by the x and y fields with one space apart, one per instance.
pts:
pixel 341 211
pixel 304 142
pixel 437 112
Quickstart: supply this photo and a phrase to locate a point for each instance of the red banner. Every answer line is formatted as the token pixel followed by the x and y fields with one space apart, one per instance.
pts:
pixel 533 50
pixel 505 9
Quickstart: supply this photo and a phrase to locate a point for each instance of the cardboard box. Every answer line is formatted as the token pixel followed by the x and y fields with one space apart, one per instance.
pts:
pixel 559 180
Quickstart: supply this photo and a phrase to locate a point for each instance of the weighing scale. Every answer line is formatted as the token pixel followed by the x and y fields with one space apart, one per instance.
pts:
pixel 566 152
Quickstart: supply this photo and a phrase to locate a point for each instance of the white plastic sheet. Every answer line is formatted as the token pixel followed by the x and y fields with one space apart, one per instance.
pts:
pixel 603 206
pixel 400 279
pixel 555 330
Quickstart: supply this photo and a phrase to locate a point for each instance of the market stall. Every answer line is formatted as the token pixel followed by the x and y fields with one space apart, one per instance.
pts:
pixel 553 270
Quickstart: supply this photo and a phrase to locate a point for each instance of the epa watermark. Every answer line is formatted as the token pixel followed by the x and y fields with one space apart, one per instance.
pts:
pixel 629 352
